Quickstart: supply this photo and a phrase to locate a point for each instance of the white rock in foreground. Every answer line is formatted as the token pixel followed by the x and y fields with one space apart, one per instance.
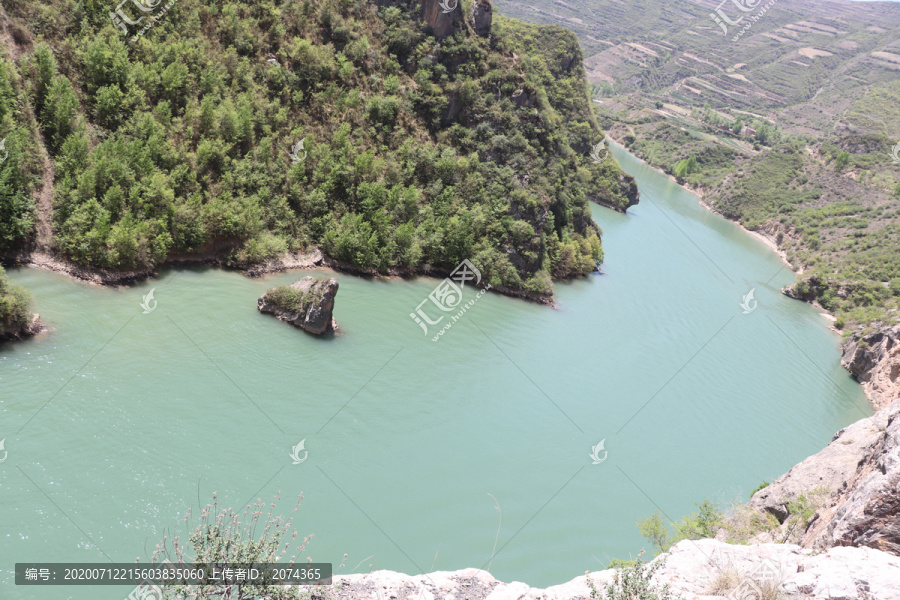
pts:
pixel 703 569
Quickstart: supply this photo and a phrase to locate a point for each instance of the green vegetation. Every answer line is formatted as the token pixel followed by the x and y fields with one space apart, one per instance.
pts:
pixel 17 162
pixel 634 582
pixel 698 161
pixel 791 129
pixel 739 525
pixel 15 306
pixel 695 526
pixel 414 152
pixel 291 299
pixel 224 536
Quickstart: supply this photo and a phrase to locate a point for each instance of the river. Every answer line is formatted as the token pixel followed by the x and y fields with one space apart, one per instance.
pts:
pixel 417 452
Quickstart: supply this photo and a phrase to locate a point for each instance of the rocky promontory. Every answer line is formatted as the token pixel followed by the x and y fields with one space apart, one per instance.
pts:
pixel 307 304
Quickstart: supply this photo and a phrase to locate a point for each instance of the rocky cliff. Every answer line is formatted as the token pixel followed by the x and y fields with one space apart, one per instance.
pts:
pixel 444 17
pixel 874 360
pixel 858 478
pixel 482 16
pixel 307 304
pixel 705 569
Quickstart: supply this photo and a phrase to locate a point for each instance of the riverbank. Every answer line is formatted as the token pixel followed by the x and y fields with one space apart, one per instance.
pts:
pixel 769 239
pixel 299 261
pixel 878 376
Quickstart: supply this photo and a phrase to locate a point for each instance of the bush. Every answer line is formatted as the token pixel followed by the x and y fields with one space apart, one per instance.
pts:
pixel 225 536
pixel 291 299
pixel 634 582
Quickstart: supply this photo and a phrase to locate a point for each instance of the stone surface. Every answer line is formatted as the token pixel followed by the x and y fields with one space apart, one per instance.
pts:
pixel 444 17
pixel 702 569
pixel 317 317
pixel 482 15
pixel 874 360
pixel 15 332
pixel 860 473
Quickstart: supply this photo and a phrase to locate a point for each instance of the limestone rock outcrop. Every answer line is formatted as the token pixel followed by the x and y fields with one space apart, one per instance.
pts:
pixel 309 304
pixel 482 15
pixel 706 569
pixel 444 17
pixel 859 473
pixel 874 360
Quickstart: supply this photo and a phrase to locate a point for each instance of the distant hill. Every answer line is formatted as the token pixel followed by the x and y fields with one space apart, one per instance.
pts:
pixel 787 126
pixel 798 65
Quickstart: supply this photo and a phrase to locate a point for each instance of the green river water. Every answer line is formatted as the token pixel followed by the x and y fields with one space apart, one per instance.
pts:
pixel 410 441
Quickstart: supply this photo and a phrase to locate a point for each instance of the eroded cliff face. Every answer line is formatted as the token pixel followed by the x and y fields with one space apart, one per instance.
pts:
pixel 444 17
pixel 482 16
pixel 874 360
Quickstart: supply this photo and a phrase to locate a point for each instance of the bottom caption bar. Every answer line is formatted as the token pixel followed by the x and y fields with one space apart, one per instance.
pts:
pixel 159 574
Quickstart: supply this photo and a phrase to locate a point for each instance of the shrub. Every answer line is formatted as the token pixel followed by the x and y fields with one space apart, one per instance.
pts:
pixel 634 583
pixel 225 536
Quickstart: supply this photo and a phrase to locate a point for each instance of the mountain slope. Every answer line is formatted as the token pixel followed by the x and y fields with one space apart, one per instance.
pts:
pixel 417 152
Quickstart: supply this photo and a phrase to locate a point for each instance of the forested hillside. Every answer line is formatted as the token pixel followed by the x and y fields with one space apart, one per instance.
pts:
pixel 250 129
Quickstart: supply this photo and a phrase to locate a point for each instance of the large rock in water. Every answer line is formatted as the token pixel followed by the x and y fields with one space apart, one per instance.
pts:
pixel 307 304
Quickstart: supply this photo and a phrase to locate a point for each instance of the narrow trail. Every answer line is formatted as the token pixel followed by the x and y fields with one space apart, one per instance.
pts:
pixel 44 202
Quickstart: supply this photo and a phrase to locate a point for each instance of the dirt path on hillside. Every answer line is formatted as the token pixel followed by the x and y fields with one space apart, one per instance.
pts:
pixel 44 202
pixel 43 196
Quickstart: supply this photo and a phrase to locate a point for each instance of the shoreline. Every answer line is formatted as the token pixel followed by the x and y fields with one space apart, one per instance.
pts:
pixel 296 261
pixel 700 194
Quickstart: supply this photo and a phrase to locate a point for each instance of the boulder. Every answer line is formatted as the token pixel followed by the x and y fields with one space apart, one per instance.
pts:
pixel 482 15
pixel 13 331
pixel 307 304
pixel 444 17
